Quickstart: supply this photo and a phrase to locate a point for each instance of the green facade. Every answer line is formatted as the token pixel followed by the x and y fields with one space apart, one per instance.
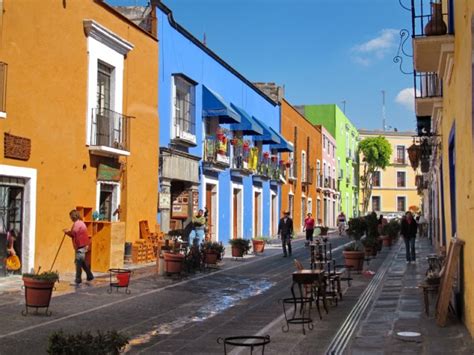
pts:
pixel 347 137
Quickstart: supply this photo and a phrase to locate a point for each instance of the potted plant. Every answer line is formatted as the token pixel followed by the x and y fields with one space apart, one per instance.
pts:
pixel 258 244
pixel 38 289
pixel 391 230
pixel 266 155
pixel 110 342
pixel 240 247
pixel 354 253
pixel 173 261
pixel 212 252
pixel 324 230
pixel 371 240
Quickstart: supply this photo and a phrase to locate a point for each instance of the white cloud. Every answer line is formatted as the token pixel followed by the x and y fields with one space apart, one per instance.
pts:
pixel 375 48
pixel 406 98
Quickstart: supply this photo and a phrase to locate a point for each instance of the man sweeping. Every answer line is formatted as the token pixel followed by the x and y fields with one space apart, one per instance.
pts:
pixel 80 242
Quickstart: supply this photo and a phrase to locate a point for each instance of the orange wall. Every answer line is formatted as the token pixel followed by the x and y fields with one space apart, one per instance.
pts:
pixel 290 118
pixel 45 47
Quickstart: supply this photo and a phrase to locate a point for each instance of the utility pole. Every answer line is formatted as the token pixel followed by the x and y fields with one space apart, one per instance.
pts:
pixel 383 111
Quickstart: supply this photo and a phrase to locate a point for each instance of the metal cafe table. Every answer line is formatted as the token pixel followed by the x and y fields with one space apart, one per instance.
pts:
pixel 304 279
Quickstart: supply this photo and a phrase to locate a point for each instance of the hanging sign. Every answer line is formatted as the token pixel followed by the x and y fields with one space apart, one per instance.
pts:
pixel 108 173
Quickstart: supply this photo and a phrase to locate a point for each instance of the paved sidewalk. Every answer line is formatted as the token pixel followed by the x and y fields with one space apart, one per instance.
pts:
pixel 398 306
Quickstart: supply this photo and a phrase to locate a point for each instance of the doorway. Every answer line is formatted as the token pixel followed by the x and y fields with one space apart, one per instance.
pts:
pixel 236 213
pixel 108 200
pixel 274 215
pixel 11 217
pixel 303 211
pixel 211 205
pixel 257 222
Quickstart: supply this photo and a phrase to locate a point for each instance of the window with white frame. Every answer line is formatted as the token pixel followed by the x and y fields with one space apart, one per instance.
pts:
pixel 108 200
pixel 106 125
pixel 184 108
pixel 291 171
pixel 303 165
pixel 401 203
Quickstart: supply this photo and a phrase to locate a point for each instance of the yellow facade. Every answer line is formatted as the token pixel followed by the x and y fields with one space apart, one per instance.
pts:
pixel 449 192
pixel 49 51
pixel 389 192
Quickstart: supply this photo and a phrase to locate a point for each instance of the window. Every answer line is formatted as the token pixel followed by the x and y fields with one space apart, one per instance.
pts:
pixel 324 142
pixel 401 179
pixel 184 118
pixel 109 200
pixel 318 173
pixel 400 154
pixel 3 90
pixel 376 179
pixel 318 209
pixel 292 166
pixel 376 203
pixel 104 75
pixel 401 203
pixel 290 204
pixel 303 166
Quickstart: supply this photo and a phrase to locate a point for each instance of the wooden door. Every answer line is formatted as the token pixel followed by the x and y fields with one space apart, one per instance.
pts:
pixel 273 218
pixel 209 209
pixel 235 204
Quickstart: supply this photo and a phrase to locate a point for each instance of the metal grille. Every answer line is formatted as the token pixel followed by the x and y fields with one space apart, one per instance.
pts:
pixel 110 129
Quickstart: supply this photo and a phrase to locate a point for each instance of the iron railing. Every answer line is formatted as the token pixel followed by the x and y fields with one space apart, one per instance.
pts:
pixel 3 86
pixel 110 129
pixel 216 151
pixel 309 176
pixel 240 158
pixel 422 12
pixel 427 85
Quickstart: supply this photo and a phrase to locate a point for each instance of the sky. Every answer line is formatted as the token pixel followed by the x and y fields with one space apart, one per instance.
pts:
pixel 321 51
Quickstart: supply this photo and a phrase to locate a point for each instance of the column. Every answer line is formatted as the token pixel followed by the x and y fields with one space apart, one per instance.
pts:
pixel 165 210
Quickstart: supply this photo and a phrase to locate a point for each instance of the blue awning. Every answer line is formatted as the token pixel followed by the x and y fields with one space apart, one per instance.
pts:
pixel 268 137
pixel 247 125
pixel 284 145
pixel 213 105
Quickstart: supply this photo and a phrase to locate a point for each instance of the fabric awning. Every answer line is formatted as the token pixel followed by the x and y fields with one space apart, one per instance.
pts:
pixel 213 105
pixel 268 136
pixel 283 146
pixel 247 125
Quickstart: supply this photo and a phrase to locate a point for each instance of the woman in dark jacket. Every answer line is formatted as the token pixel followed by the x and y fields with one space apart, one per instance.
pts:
pixel 408 231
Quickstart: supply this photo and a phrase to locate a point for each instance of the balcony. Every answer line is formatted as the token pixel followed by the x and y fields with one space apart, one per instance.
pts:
pixel 240 161
pixel 216 154
pixel 184 132
pixel 3 89
pixel 428 92
pixel 277 171
pixel 400 161
pixel 349 154
pixel 264 171
pixel 308 179
pixel 433 33
pixel 109 133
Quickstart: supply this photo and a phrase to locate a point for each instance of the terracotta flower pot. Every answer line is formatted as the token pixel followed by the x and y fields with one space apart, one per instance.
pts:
pixel 38 292
pixel 354 259
pixel 258 246
pixel 211 257
pixel 173 263
pixel 237 252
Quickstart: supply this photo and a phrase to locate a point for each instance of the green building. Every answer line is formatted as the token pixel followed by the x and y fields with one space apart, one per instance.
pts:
pixel 347 136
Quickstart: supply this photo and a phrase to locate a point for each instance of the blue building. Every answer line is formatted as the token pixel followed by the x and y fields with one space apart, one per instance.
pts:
pixel 219 141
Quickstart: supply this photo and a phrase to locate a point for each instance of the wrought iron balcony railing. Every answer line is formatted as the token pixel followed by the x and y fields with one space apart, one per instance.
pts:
pixel 428 17
pixel 110 129
pixel 240 159
pixel 427 85
pixel 3 86
pixel 216 151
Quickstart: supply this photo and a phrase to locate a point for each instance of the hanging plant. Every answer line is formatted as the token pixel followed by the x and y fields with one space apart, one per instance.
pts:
pixel 274 158
pixel 414 154
pixel 266 155
pixel 288 164
pixel 234 141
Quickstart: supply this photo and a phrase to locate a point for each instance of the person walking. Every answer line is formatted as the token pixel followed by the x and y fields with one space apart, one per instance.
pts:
pixel 285 231
pixel 408 231
pixel 81 243
pixel 309 228
pixel 199 223
pixel 341 222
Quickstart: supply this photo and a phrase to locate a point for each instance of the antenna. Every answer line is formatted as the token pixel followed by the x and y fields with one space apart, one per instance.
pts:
pixel 343 106
pixel 383 111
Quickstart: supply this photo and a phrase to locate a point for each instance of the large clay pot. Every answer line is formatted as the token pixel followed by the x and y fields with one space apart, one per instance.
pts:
pixel 237 252
pixel 387 241
pixel 210 257
pixel 38 292
pixel 173 263
pixel 354 259
pixel 436 26
pixel 258 246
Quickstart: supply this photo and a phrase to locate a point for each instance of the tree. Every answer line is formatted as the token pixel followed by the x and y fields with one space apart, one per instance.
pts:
pixel 376 152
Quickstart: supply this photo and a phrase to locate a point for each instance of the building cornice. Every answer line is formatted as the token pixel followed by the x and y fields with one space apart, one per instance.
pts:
pixel 107 37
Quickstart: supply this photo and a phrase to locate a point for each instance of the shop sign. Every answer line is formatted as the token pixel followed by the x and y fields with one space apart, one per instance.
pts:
pixel 164 200
pixel 108 173
pixel 16 147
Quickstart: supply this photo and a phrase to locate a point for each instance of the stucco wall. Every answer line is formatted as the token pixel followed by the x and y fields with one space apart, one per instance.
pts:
pixel 45 47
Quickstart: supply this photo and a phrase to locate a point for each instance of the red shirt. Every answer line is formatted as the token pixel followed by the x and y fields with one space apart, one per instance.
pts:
pixel 80 236
pixel 309 223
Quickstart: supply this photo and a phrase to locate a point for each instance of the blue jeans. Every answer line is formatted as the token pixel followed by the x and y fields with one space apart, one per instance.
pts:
pixel 80 262
pixel 196 233
pixel 410 248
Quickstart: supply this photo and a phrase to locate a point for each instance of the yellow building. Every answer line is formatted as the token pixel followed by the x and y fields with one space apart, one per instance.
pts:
pixel 443 57
pixel 79 127
pixel 394 189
